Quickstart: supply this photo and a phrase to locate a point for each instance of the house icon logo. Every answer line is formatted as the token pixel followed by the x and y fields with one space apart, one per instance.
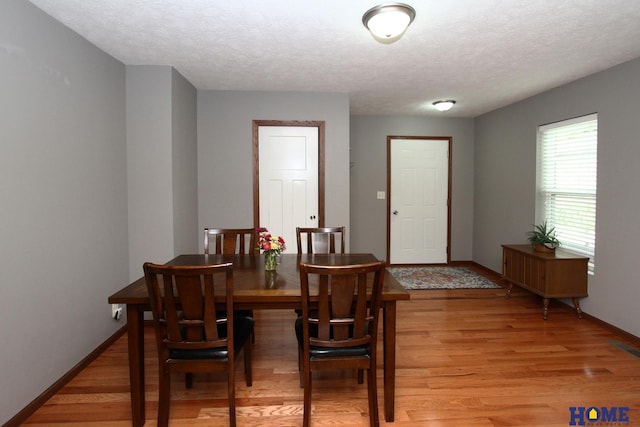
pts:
pixel 603 416
pixel 593 415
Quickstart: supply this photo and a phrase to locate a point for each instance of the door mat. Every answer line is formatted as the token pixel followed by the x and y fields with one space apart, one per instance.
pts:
pixel 440 278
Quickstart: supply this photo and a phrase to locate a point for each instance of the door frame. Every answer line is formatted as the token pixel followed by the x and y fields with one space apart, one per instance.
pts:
pixel 426 138
pixel 256 163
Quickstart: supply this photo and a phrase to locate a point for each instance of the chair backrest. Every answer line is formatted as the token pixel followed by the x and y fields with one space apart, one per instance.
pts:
pixel 183 305
pixel 340 304
pixel 230 241
pixel 327 240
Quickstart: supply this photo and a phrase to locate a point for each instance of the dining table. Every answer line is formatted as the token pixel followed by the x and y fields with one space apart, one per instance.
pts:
pixel 257 289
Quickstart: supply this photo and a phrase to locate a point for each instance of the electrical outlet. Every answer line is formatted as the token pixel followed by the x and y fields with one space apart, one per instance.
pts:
pixel 381 195
pixel 116 311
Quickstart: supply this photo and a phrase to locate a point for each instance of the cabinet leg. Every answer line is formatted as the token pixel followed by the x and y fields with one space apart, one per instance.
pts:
pixel 545 310
pixel 576 304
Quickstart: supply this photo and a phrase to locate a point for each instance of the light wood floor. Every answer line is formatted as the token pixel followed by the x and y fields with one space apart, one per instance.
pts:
pixel 465 358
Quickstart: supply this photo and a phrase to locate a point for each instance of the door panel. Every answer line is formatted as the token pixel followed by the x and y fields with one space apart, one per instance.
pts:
pixel 300 207
pixel 418 200
pixel 288 179
pixel 275 210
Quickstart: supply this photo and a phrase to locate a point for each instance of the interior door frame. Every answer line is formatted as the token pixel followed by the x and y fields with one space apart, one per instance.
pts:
pixel 426 138
pixel 256 163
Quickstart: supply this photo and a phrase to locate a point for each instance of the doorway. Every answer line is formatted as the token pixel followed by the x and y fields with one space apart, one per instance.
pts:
pixel 288 176
pixel 418 208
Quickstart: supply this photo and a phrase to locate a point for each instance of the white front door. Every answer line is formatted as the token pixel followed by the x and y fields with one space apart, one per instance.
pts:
pixel 419 206
pixel 288 180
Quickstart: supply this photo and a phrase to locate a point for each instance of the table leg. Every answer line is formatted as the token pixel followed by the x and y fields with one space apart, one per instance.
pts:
pixel 545 308
pixel 389 338
pixel 135 331
pixel 576 304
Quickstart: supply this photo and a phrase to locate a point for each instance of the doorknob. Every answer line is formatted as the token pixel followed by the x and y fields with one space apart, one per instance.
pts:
pixel 395 212
pixel 312 217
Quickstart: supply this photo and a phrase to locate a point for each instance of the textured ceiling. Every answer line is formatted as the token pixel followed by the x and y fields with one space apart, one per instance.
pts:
pixel 483 53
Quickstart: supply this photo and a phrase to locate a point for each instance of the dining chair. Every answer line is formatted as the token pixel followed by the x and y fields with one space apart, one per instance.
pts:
pixel 320 239
pixel 338 328
pixel 189 334
pixel 230 241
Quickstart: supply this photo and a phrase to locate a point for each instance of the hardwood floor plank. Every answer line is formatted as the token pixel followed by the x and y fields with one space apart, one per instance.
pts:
pixel 468 358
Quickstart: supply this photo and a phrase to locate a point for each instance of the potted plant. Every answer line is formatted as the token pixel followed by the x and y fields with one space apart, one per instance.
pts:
pixel 543 238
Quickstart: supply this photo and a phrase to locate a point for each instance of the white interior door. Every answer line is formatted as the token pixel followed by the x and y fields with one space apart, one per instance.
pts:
pixel 419 211
pixel 288 180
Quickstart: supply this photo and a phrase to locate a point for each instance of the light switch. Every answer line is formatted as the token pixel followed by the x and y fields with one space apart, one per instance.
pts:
pixel 381 195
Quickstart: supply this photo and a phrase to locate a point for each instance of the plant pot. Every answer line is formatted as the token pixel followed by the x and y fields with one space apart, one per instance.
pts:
pixel 542 248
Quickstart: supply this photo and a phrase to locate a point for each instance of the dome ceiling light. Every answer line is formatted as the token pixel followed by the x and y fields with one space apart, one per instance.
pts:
pixel 388 22
pixel 444 105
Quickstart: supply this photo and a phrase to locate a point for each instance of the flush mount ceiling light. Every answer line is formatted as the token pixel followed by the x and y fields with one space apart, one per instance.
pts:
pixel 444 105
pixel 388 22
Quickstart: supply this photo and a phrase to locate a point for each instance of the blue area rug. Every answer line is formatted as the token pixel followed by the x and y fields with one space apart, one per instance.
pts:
pixel 440 278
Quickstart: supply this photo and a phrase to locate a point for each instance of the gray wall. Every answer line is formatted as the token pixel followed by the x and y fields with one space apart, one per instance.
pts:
pixel 225 151
pixel 505 183
pixel 63 200
pixel 369 175
pixel 184 135
pixel 149 168
pixel 161 158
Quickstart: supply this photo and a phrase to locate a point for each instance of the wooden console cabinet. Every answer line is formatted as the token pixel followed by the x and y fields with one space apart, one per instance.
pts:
pixel 560 274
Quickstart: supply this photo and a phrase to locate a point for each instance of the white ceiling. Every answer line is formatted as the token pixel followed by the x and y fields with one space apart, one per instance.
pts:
pixel 485 54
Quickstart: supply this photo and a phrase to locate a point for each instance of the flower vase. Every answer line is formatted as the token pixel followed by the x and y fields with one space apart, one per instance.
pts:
pixel 270 261
pixel 270 279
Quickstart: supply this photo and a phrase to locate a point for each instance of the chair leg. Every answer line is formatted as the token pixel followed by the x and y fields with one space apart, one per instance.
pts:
pixel 372 388
pixel 306 417
pixel 164 395
pixel 248 368
pixel 231 392
pixel 300 371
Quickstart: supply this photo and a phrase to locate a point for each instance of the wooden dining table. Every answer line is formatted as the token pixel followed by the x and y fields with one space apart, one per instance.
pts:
pixel 256 289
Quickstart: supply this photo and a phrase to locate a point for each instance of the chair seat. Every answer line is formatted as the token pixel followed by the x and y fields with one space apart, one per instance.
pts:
pixel 324 352
pixel 242 328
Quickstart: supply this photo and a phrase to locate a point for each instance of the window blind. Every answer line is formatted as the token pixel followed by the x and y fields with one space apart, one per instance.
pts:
pixel 567 182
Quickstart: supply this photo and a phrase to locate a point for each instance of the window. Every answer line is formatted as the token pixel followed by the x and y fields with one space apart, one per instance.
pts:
pixel 566 187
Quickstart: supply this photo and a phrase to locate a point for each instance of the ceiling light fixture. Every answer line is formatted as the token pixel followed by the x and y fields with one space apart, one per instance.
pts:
pixel 388 22
pixel 444 105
